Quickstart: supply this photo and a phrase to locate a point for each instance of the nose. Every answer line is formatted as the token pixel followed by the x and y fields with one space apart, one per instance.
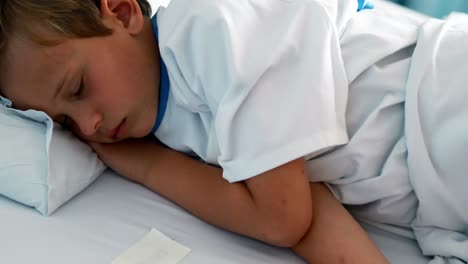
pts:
pixel 87 121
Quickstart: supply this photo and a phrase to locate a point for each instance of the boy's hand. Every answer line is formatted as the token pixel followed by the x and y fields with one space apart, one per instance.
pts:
pixel 130 158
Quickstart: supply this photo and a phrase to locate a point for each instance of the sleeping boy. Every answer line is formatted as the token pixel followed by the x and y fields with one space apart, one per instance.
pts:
pixel 248 105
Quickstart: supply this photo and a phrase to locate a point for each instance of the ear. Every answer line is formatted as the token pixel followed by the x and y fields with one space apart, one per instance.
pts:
pixel 124 12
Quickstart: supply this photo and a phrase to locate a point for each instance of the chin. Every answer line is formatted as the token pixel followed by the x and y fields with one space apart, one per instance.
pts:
pixel 146 131
pixel 142 135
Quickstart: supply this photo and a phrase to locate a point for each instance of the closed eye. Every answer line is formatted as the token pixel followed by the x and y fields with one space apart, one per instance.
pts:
pixel 79 92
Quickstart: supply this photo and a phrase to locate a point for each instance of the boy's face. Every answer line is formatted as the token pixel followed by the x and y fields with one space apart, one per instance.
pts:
pixel 105 88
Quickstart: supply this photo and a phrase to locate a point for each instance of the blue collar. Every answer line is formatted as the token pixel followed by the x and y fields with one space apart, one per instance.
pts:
pixel 364 4
pixel 163 84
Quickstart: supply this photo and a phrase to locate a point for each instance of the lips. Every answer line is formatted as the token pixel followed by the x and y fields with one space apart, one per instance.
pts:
pixel 117 132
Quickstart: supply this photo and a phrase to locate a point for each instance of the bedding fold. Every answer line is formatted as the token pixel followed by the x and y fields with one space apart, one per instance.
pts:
pixel 436 128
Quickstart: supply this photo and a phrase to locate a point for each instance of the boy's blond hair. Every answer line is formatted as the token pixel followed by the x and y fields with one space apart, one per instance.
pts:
pixel 63 18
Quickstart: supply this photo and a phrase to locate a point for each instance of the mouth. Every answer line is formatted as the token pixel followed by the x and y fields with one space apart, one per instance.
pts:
pixel 117 132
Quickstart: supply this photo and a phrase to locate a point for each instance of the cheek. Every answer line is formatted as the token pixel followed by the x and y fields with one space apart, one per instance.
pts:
pixel 103 87
pixel 112 79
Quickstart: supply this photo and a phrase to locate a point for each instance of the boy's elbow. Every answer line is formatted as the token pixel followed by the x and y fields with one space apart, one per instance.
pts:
pixel 286 228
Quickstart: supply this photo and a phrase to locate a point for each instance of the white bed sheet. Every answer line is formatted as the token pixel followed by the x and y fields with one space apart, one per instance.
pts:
pixel 113 213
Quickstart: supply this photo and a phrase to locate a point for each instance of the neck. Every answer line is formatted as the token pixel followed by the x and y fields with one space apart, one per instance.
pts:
pixel 151 45
pixel 151 59
pixel 151 51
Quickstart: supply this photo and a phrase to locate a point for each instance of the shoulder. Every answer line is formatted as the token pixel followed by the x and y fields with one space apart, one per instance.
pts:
pixel 188 8
pixel 182 15
pixel 210 8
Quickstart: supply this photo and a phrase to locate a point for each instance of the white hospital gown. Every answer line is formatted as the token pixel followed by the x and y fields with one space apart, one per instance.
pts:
pixel 256 84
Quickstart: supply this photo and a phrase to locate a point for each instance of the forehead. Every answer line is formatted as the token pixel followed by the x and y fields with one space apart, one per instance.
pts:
pixel 31 72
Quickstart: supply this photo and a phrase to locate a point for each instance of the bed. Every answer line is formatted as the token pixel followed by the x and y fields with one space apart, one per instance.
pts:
pixel 112 214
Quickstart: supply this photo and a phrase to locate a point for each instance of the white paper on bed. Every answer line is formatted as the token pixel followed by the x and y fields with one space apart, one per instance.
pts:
pixel 155 247
pixel 437 138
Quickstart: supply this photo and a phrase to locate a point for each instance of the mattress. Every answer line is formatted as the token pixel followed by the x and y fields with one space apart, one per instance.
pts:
pixel 113 214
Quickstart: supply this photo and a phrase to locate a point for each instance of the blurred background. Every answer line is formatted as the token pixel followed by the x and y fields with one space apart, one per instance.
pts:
pixel 436 8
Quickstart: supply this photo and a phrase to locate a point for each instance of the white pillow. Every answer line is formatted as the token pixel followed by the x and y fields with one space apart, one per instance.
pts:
pixel 41 164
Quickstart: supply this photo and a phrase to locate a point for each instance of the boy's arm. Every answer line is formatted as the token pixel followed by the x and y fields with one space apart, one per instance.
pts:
pixel 275 207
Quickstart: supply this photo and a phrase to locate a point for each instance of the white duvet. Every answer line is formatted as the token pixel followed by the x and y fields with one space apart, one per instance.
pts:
pixel 406 164
pixel 436 128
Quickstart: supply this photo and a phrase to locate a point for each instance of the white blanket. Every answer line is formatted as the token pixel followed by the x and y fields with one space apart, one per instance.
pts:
pixel 436 128
pixel 405 166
